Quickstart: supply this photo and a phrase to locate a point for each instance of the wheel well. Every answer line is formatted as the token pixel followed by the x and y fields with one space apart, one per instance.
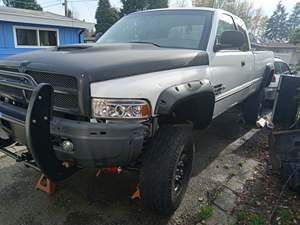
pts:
pixel 197 109
pixel 269 72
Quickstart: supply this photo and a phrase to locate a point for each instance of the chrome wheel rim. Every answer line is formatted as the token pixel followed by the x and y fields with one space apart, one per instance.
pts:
pixel 180 173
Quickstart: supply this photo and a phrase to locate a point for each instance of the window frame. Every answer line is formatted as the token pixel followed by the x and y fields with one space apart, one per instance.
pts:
pixel 204 40
pixel 279 65
pixel 285 64
pixel 240 23
pixel 235 26
pixel 37 29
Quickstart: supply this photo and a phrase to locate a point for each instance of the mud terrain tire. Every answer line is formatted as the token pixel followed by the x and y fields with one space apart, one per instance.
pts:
pixel 253 107
pixel 166 169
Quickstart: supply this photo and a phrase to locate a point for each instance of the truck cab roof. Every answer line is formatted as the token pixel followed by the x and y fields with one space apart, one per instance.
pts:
pixel 189 8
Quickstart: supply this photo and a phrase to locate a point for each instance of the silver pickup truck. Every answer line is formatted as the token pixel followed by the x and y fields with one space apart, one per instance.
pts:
pixel 133 98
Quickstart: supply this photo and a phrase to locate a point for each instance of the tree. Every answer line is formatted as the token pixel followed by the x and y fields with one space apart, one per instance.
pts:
pixel 277 26
pixel 156 4
pixel 257 27
pixel 23 4
pixel 70 13
pixel 105 16
pixel 181 3
pixel 294 19
pixel 254 18
pixel 211 3
pixel 130 6
pixel 295 37
pixel 241 8
pixel 202 3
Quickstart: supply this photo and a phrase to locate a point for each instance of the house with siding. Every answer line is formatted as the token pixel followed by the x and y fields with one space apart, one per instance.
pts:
pixel 24 30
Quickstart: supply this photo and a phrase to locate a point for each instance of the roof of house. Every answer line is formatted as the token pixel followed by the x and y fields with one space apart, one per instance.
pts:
pixel 41 18
pixel 275 45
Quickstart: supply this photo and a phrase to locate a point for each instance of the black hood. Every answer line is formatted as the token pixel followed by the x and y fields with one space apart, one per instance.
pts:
pixel 109 61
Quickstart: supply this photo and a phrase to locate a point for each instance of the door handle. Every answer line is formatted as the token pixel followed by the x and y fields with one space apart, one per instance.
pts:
pixel 243 63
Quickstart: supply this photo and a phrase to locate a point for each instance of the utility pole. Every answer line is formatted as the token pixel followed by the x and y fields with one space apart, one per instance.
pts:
pixel 213 3
pixel 66 7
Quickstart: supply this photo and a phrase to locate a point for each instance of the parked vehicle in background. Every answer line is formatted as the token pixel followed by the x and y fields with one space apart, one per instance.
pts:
pixel 133 98
pixel 281 68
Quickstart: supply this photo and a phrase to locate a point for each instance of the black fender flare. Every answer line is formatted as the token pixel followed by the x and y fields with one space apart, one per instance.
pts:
pixel 268 74
pixel 193 101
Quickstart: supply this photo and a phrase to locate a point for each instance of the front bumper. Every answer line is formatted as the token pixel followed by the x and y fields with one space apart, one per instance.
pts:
pixel 97 145
pixel 94 144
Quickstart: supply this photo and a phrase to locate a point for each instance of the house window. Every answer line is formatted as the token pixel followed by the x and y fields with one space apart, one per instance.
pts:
pixel 48 38
pixel 26 37
pixel 35 37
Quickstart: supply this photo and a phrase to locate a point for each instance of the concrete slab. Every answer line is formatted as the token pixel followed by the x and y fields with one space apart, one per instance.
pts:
pixel 220 218
pixel 86 200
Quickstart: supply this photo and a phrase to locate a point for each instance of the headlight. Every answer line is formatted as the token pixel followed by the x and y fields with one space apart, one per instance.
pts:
pixel 120 109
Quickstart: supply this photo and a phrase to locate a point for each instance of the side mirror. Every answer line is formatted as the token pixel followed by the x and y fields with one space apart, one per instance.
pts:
pixel 294 72
pixel 230 40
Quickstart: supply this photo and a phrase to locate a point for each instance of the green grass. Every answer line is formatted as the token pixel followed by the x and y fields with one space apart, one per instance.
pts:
pixel 204 213
pixel 257 219
pixel 242 215
pixel 285 216
pixel 241 163
pixel 250 218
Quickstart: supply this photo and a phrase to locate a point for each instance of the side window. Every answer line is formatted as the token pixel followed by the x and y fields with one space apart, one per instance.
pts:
pixel 242 27
pixel 225 24
pixel 285 68
pixel 277 68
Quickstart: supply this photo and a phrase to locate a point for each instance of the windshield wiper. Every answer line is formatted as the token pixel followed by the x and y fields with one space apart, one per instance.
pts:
pixel 144 42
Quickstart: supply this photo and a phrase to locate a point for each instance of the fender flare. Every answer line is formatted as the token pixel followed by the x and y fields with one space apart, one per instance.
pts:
pixel 193 101
pixel 268 74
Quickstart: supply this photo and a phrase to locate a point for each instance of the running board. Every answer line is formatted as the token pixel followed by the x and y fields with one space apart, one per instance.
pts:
pixel 24 158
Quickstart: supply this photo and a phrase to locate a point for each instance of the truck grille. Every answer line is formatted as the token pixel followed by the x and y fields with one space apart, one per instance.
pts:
pixel 65 87
pixel 54 79
pixel 59 82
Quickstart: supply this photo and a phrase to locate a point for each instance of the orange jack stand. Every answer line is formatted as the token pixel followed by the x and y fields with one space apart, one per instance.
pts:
pixel 45 185
pixel 136 194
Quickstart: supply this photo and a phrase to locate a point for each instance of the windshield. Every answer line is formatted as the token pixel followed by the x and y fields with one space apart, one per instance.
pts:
pixel 171 29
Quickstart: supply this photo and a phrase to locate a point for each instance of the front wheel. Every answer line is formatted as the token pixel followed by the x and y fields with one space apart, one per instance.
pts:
pixel 166 169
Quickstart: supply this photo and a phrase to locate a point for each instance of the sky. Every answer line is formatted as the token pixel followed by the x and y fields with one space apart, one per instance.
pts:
pixel 85 9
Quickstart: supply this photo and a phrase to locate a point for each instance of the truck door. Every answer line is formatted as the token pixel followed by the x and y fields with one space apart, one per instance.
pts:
pixel 230 69
pixel 249 68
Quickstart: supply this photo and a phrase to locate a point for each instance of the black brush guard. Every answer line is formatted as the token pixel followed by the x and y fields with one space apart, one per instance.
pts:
pixel 36 124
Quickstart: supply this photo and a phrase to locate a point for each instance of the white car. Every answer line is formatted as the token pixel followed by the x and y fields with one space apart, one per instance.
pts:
pixel 281 68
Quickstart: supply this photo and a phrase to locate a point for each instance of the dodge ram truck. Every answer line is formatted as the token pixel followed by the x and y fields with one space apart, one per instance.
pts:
pixel 132 99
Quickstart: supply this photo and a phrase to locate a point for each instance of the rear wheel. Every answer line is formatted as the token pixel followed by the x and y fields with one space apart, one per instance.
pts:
pixel 166 169
pixel 253 107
